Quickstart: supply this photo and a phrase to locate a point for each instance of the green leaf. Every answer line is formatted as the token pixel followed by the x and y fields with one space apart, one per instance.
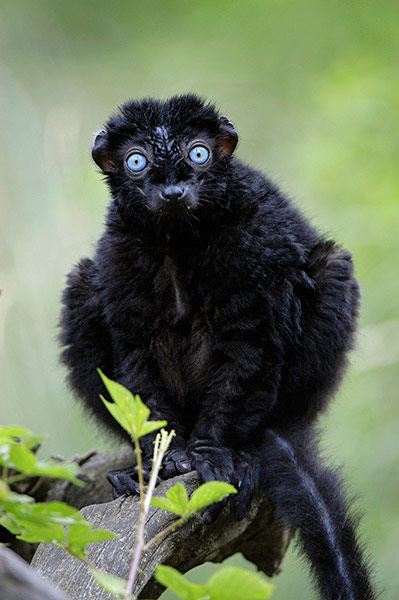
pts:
pixel 164 504
pixel 118 415
pixel 131 413
pixel 151 426
pixel 22 459
pixel 35 533
pixel 172 579
pixel 79 535
pixel 5 454
pixel 208 493
pixel 11 431
pixel 176 500
pixel 58 470
pixel 235 583
pixel 43 512
pixel 128 409
pixel 110 583
pixel 9 523
pixel 42 522
pixel 229 583
pixel 17 456
pixel 30 441
pixel 8 498
pixel 178 495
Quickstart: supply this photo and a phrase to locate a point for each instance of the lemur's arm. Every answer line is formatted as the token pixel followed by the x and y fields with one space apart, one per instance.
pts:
pixel 294 386
pixel 86 339
pixel 242 386
pixel 87 345
pixel 317 357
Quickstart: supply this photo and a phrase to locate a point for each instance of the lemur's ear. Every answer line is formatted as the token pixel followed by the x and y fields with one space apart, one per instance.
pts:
pixel 227 137
pixel 101 153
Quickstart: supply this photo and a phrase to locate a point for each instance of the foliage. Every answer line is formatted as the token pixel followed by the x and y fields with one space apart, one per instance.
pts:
pixel 229 583
pixel 16 444
pixel 176 500
pixel 35 522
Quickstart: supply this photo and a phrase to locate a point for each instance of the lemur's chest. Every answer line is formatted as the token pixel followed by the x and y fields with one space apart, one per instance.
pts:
pixel 180 335
pixel 172 293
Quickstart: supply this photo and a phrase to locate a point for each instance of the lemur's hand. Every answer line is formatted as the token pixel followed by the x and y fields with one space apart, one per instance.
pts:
pixel 213 463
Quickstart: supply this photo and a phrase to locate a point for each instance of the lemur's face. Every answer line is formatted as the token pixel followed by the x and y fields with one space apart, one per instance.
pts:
pixel 168 168
pixel 170 156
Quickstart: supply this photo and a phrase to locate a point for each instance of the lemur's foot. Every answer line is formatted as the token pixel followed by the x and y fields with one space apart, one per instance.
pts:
pixel 126 481
pixel 212 463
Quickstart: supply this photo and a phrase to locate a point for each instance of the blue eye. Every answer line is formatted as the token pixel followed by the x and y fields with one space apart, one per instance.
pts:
pixel 199 155
pixel 136 162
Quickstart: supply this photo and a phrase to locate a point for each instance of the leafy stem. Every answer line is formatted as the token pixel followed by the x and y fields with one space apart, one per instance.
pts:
pixel 169 529
pixel 162 443
pixel 139 457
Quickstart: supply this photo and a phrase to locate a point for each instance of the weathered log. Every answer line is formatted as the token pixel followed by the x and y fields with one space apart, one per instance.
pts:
pixel 259 537
pixel 18 581
pixel 93 470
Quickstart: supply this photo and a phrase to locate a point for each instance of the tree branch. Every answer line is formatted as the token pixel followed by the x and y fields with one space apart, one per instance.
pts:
pixel 259 537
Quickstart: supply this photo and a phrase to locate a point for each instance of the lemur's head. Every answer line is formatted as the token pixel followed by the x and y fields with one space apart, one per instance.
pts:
pixel 170 157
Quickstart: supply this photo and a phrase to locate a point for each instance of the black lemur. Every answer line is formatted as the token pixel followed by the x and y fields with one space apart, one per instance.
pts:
pixel 213 298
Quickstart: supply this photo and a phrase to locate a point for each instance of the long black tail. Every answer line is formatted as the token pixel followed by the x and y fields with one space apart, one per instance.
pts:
pixel 309 497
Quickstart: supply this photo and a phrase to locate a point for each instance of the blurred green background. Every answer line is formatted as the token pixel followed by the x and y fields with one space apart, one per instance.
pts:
pixel 311 87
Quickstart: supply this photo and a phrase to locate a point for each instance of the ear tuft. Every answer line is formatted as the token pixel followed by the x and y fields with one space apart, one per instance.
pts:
pixel 101 153
pixel 227 137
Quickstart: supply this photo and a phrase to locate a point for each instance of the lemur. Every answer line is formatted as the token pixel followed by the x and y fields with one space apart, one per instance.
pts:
pixel 212 297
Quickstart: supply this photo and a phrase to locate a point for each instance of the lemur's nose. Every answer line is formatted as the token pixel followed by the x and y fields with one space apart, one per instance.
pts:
pixel 172 192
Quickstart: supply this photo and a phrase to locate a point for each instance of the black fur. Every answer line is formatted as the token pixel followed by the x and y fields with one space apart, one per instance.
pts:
pixel 215 300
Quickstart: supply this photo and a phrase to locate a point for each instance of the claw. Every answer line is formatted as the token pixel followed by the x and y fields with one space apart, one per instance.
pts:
pixel 213 511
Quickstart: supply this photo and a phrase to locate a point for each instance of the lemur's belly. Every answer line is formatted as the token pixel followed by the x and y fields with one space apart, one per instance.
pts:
pixel 184 358
pixel 181 341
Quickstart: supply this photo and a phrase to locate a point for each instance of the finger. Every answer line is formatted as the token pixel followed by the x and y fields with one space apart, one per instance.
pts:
pixel 213 511
pixel 115 493
pixel 205 471
pixel 181 460
pixel 122 484
pixel 116 487
pixel 130 486
pixel 247 482
pixel 184 467
pixel 183 464
pixel 169 469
